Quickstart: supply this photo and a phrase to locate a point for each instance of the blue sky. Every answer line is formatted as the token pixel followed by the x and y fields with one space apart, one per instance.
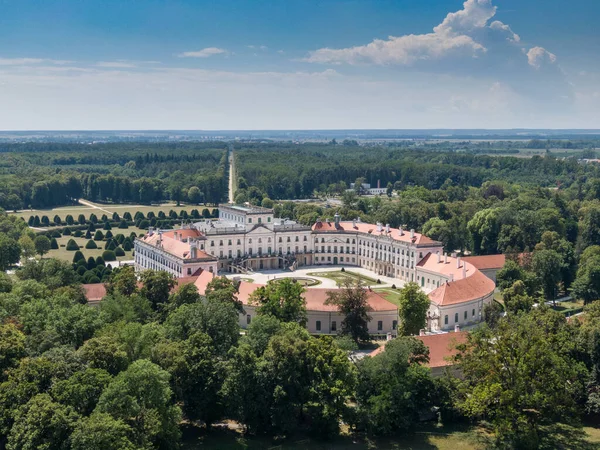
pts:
pixel 297 64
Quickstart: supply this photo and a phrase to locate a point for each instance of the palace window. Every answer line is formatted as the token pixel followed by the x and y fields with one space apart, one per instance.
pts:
pixel 394 324
pixel 379 325
pixel 333 325
pixel 455 317
pixel 465 315
pixel 318 325
pixel 248 319
pixel 446 319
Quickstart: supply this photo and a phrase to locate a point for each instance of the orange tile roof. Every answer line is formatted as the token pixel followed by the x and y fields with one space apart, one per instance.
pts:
pixel 94 292
pixel 442 347
pixel 464 290
pixel 177 247
pixel 452 267
pixel 367 228
pixel 315 298
pixel 486 262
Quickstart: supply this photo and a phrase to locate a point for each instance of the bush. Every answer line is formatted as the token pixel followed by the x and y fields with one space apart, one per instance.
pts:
pixel 57 220
pixel 78 233
pixel 127 245
pixel 93 218
pixel 127 216
pixel 98 236
pixel 378 281
pixel 81 270
pixel 72 245
pixel 393 286
pixel 78 256
pixel 116 217
pixel 91 245
pixel 88 234
pixel 45 221
pixel 91 227
pixel 99 261
pixel 144 224
pixel 91 263
pixel 107 226
pixel 30 221
pixel 119 238
pixel 119 252
pixel 123 225
pixel 36 221
pixel 80 219
pixel 108 235
pixel 55 234
pixel 69 219
pixel 66 231
pixel 53 244
pixel 110 245
pixel 343 270
pixel 109 255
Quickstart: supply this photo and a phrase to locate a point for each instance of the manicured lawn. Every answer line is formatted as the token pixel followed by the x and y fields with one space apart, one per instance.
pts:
pixel 391 295
pixel 339 277
pixel 63 253
pixel 64 211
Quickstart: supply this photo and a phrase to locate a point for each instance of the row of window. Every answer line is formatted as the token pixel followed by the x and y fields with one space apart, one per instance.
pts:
pixel 334 325
pixel 239 241
pixel 466 315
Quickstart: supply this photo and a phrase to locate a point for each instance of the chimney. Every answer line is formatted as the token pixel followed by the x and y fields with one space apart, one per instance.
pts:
pixel 379 227
pixel 318 220
pixel 193 250
pixel 412 233
pixel 458 262
pixel 422 332
pixel 387 227
pixel 150 231
pixel 453 254
pixel 400 231
pixel 456 328
pixel 353 223
pixel 445 258
pixel 337 220
pixel 439 257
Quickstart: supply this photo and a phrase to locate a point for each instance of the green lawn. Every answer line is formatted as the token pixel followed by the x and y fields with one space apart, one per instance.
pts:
pixel 427 437
pixel 63 253
pixel 391 295
pixel 339 277
pixel 64 211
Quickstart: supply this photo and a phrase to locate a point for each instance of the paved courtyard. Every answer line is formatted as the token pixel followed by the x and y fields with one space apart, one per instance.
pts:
pixel 264 276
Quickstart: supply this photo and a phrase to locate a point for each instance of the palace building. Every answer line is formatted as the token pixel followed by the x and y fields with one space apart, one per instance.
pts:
pixel 247 239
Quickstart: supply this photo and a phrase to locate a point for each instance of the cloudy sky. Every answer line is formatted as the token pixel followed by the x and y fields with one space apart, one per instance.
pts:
pixel 299 64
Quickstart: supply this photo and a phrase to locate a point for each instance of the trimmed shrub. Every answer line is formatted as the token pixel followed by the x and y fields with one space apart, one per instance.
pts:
pixel 69 219
pixel 119 238
pixel 99 261
pixel 81 270
pixel 30 221
pixel 123 225
pixel 91 227
pixel 91 263
pixel 104 218
pixel 66 231
pixel 110 245
pixel 81 219
pixel 343 270
pixel 53 244
pixel 91 245
pixel 36 221
pixel 119 252
pixel 88 234
pixel 161 215
pixel 127 245
pixel 72 245
pixel 45 221
pixel 138 215
pixel 98 236
pixel 108 235
pixel 144 224
pixel 127 216
pixel 107 226
pixel 116 217
pixel 57 220
pixel 78 233
pixel 150 215
pixel 78 256
pixel 109 255
pixel 93 218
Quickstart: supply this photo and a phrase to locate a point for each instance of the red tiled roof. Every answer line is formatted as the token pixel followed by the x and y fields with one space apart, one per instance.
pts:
pixel 441 347
pixel 177 247
pixel 315 298
pixel 486 262
pixel 452 267
pixel 94 292
pixel 367 228
pixel 464 290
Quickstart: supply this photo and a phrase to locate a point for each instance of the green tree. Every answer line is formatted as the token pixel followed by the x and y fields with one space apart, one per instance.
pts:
pixel 516 298
pixel 394 387
pixel 260 332
pixel 104 353
pixel 352 302
pixel 484 228
pixel 547 265
pixel 222 289
pixel 42 424
pixel 156 287
pixel 520 375
pixel 27 246
pixel 195 195
pixel 282 299
pixel 10 252
pixel 12 346
pixel 42 245
pixel 101 432
pixel 412 310
pixel 141 397
pixel 81 390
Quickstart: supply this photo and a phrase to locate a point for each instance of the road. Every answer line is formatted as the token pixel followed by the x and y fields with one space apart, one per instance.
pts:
pixel 91 205
pixel 231 173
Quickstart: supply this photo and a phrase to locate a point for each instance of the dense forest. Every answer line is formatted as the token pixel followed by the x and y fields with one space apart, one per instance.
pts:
pixel 43 175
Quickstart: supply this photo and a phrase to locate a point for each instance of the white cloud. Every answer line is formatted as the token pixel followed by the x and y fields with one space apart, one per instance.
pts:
pixel 539 56
pixel 204 53
pixel 30 61
pixel 116 64
pixel 499 26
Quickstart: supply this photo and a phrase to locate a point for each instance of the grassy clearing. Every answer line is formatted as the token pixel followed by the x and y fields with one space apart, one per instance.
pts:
pixel 427 439
pixel 100 209
pixel 340 277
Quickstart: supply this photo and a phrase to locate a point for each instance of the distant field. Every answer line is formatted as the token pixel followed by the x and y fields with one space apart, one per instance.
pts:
pixel 100 209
